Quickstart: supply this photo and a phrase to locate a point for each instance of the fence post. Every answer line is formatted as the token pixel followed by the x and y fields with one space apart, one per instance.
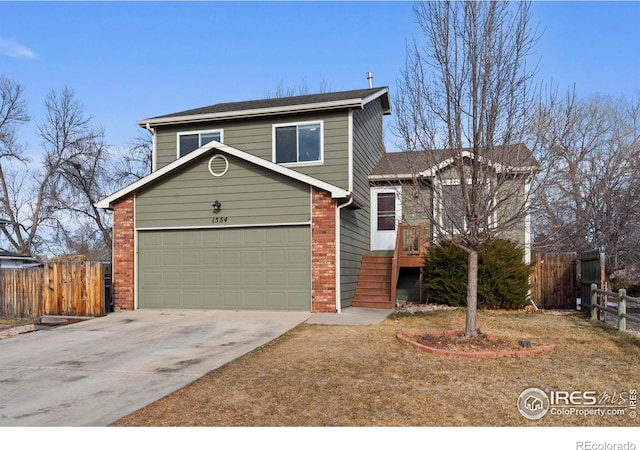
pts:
pixel 594 301
pixel 622 310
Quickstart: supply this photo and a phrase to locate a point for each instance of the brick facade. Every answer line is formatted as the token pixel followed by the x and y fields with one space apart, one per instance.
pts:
pixel 323 252
pixel 123 254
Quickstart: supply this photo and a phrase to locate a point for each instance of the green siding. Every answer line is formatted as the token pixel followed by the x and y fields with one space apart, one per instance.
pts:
pixel 368 149
pixel 255 137
pixel 264 268
pixel 250 195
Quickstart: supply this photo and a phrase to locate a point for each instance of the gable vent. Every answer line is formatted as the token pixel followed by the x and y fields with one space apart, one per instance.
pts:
pixel 218 165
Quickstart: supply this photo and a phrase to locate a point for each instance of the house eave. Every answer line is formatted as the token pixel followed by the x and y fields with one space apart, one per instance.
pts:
pixel 391 177
pixel 251 113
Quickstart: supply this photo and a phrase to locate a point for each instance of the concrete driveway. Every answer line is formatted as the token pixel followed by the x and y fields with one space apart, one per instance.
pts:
pixel 94 372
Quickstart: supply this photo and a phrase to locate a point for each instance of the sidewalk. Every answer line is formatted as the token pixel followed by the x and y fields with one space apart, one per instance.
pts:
pixel 351 316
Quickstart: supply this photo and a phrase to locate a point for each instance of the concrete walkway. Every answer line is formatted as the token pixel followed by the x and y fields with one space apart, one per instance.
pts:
pixel 351 316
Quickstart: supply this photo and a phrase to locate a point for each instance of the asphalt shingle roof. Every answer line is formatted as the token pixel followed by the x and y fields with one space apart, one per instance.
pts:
pixel 275 102
pixel 414 162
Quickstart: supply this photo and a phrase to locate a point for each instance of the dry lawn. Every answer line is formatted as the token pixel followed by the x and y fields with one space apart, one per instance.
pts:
pixel 10 323
pixel 320 375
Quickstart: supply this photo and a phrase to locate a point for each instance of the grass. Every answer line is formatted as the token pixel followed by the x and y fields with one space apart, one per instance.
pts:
pixel 10 323
pixel 320 375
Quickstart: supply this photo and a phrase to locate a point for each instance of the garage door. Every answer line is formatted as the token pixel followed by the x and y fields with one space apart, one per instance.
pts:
pixel 243 268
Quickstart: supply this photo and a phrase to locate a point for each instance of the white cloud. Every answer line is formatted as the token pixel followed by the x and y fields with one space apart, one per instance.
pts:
pixel 14 49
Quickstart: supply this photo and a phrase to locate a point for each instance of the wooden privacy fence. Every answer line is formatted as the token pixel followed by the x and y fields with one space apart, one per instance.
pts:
pixel 60 288
pixel 600 301
pixel 592 271
pixel 553 280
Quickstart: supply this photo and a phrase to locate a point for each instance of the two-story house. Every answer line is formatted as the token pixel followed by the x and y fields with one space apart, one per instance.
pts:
pixel 285 204
pixel 260 204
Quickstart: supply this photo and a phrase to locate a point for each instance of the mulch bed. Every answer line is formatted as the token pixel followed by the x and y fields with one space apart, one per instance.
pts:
pixel 455 343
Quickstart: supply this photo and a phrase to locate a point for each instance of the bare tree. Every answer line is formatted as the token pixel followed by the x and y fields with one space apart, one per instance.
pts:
pixel 592 197
pixel 136 162
pixel 13 113
pixel 463 104
pixel 36 195
pixel 301 88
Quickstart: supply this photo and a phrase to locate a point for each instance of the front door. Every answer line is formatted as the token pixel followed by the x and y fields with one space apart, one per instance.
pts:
pixel 386 212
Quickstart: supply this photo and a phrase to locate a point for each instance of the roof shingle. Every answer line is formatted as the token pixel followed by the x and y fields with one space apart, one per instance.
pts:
pixel 279 102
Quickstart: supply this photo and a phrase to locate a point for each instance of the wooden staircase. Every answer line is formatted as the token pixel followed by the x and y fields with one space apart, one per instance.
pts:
pixel 374 283
pixel 379 275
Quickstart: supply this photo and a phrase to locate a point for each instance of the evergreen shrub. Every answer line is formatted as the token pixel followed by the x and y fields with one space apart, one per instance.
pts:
pixel 503 277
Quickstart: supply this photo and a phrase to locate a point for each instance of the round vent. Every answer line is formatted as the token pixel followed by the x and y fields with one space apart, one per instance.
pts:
pixel 218 165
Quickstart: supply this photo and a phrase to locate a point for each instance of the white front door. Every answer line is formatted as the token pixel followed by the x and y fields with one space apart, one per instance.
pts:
pixel 386 212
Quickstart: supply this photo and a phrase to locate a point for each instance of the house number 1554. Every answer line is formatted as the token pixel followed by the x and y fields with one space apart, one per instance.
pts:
pixel 219 220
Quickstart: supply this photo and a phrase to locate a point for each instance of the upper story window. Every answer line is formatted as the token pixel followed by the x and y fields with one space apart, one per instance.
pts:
pixel 298 143
pixel 453 215
pixel 189 141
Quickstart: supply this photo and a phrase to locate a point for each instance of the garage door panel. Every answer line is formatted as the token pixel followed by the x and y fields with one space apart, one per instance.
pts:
pixel 252 279
pixel 171 240
pixel 191 299
pixel 211 257
pixel 191 258
pixel 171 258
pixel 231 258
pixel 276 237
pixel 254 268
pixel 297 257
pixel 231 279
pixel 275 278
pixel 191 279
pixel 211 279
pixel 252 258
pixel 232 237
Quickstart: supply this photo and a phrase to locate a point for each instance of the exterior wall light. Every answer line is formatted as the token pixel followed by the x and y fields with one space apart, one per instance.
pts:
pixel 216 205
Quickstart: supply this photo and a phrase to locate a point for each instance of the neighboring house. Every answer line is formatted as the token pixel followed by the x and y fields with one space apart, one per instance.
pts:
pixel 281 204
pixel 404 185
pixel 11 260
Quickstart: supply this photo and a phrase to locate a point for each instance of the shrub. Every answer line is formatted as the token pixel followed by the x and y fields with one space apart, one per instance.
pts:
pixel 503 277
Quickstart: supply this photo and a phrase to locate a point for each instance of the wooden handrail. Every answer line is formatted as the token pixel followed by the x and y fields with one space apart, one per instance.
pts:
pixel 395 267
pixel 411 240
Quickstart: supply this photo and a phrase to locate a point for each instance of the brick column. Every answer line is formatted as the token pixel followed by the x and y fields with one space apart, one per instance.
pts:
pixel 323 252
pixel 123 254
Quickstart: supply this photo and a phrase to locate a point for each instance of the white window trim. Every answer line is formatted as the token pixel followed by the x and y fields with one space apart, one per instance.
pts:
pixel 440 211
pixel 291 124
pixel 199 133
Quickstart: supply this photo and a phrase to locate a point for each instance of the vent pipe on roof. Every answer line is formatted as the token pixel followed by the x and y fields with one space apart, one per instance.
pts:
pixel 370 78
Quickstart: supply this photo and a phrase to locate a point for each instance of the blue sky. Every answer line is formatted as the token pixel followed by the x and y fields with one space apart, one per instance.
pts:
pixel 132 60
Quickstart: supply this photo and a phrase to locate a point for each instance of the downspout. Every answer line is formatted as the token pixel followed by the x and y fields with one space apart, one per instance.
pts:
pixel 153 146
pixel 338 284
